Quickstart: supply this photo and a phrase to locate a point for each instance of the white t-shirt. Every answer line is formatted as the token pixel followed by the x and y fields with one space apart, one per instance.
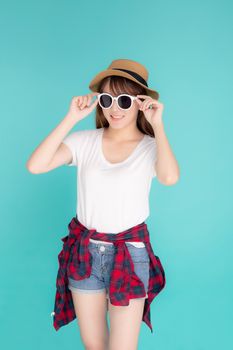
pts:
pixel 111 197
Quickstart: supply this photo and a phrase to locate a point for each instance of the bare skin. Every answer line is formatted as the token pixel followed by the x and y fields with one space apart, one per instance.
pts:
pixel 125 322
pixel 91 312
pixel 126 128
pixel 122 136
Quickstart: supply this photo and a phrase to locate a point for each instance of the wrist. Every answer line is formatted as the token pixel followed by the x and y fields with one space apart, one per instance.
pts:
pixel 157 125
pixel 71 119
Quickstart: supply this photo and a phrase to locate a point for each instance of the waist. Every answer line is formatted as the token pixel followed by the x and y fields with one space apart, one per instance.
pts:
pixel 95 243
pixel 136 235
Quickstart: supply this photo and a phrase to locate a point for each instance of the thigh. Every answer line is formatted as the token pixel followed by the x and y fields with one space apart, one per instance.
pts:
pixel 125 324
pixel 89 299
pixel 91 313
pixel 125 321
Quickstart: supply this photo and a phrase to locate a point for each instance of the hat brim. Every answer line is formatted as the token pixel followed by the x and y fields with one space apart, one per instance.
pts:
pixel 94 84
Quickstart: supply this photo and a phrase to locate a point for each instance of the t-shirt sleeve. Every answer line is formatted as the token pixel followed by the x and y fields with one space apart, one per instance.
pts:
pixel 153 157
pixel 75 142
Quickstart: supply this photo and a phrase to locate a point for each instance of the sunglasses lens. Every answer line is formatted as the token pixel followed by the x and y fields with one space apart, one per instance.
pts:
pixel 124 102
pixel 105 101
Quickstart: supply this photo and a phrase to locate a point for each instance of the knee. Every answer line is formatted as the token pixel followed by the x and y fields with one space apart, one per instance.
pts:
pixel 94 345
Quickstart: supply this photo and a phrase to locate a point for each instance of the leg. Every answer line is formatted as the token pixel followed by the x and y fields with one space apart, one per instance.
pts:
pixel 91 313
pixel 125 322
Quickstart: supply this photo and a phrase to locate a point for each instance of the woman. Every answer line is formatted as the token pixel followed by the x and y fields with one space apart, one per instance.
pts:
pixel 116 163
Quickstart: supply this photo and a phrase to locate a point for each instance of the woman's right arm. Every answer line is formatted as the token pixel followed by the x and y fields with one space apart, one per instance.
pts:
pixel 51 152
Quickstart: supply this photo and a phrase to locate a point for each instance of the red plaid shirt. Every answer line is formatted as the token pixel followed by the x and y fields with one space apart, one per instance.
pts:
pixel 75 261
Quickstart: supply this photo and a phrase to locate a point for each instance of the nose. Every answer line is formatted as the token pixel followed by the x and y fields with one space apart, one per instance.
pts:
pixel 115 106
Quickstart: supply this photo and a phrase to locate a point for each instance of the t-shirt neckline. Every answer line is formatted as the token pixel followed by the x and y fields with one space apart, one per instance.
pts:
pixel 118 163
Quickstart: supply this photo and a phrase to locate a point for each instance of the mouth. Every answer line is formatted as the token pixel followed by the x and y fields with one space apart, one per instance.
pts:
pixel 116 117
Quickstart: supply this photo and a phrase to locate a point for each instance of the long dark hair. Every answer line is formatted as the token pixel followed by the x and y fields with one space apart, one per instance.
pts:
pixel 120 85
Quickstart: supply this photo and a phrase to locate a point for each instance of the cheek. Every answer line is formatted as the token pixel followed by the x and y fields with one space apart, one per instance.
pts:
pixel 105 113
pixel 135 110
pixel 132 114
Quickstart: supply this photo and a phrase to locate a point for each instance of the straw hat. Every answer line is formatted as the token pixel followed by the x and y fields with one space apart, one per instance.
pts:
pixel 132 70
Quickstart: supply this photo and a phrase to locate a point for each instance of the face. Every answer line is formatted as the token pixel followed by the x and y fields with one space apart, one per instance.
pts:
pixel 128 116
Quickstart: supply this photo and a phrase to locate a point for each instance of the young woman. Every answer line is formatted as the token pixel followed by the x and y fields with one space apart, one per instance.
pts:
pixel 116 163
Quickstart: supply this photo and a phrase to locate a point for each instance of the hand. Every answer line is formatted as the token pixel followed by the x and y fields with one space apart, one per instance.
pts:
pixel 154 115
pixel 81 106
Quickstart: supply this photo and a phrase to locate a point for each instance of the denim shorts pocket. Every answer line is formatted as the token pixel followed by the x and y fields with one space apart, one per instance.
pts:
pixel 142 271
pixel 138 255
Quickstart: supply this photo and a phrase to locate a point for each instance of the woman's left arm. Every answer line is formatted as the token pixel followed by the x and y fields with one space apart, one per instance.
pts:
pixel 166 166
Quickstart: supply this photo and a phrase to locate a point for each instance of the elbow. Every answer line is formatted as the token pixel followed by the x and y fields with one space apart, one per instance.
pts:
pixel 172 181
pixel 31 169
pixel 173 178
pixel 169 180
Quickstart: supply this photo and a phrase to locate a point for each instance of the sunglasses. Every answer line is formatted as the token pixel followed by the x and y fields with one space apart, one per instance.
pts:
pixel 124 101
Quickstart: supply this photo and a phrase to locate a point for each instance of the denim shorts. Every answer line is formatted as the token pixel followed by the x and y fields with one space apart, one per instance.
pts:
pixel 102 265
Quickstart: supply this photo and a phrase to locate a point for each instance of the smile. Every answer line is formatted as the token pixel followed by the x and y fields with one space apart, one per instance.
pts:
pixel 117 117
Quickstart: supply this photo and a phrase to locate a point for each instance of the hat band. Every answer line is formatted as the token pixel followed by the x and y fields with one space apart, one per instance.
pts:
pixel 135 75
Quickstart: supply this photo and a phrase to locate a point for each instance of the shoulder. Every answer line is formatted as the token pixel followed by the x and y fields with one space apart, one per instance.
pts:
pixel 87 133
pixel 150 144
pixel 90 134
pixel 80 138
pixel 149 139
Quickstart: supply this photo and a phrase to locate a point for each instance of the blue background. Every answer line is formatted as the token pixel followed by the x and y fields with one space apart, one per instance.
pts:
pixel 50 51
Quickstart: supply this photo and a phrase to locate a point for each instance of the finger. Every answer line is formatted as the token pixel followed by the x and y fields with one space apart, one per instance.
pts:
pixel 84 102
pixel 78 101
pixel 94 104
pixel 139 101
pixel 89 97
pixel 81 102
pixel 88 100
pixel 145 96
pixel 94 94
pixel 143 105
pixel 147 104
pixel 75 99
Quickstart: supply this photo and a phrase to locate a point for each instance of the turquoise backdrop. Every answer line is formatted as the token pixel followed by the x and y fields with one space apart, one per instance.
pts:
pixel 50 51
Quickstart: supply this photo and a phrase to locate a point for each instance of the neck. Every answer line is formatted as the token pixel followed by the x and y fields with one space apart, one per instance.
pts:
pixel 123 134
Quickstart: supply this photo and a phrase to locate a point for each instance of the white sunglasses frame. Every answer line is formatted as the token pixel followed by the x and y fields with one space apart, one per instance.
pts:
pixel 116 99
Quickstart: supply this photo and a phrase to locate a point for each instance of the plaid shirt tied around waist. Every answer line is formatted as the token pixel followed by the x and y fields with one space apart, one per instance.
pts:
pixel 75 261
